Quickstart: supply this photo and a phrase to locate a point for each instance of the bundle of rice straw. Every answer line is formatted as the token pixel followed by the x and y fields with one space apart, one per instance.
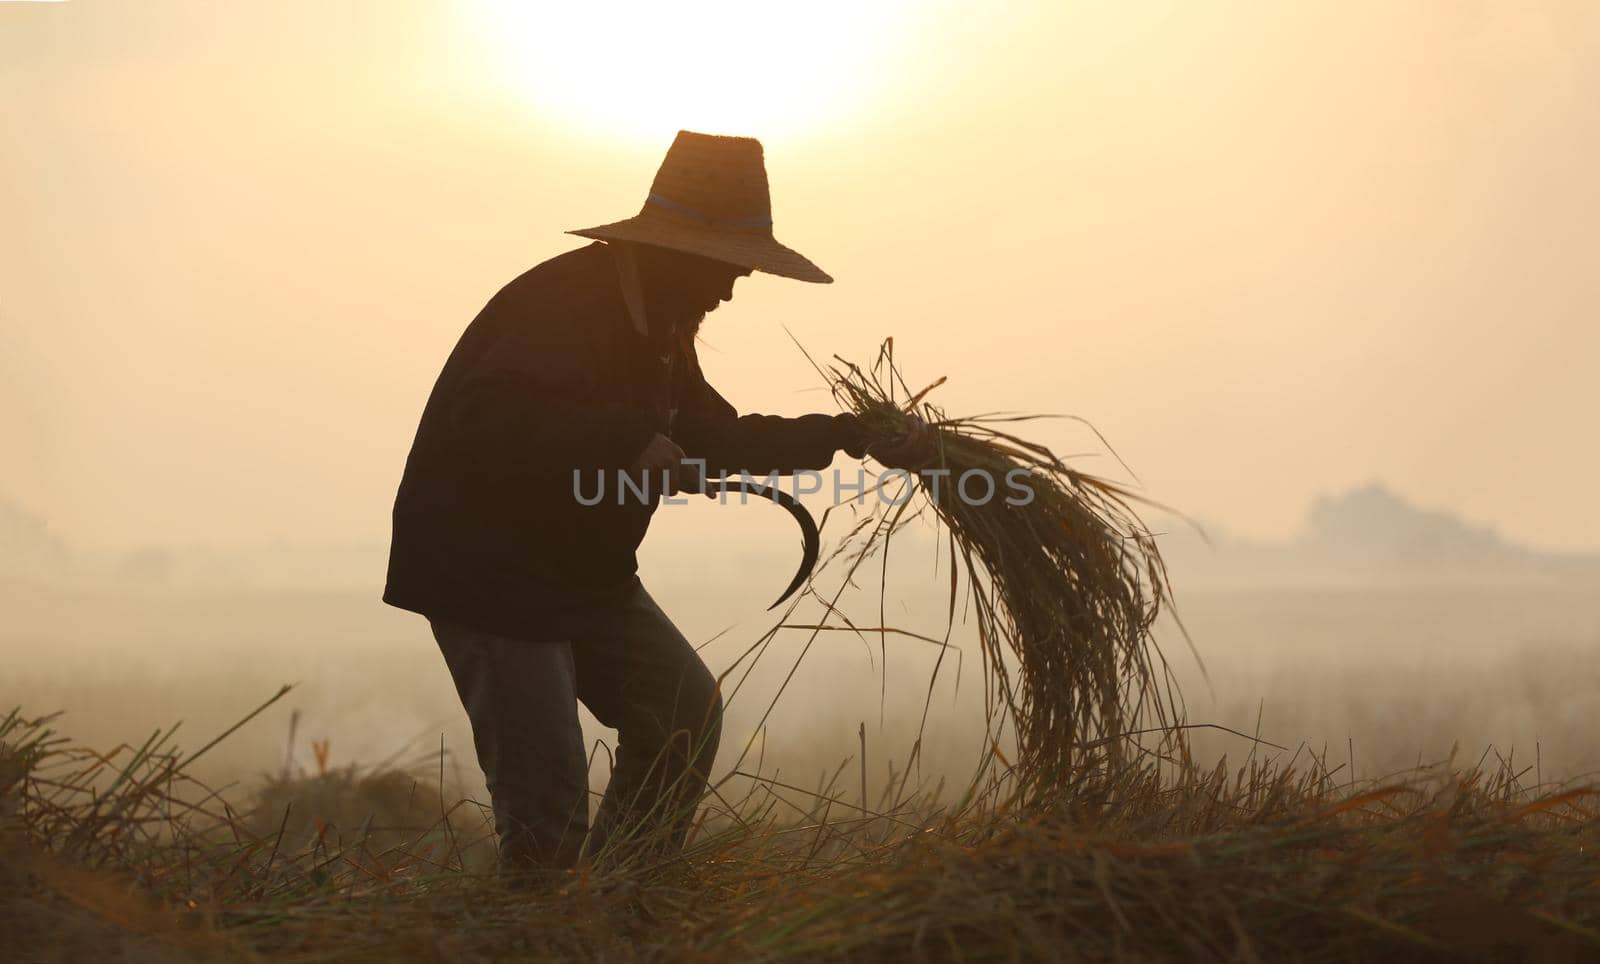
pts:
pixel 1068 585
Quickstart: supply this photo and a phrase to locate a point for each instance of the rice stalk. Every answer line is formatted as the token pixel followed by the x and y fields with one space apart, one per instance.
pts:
pixel 1068 584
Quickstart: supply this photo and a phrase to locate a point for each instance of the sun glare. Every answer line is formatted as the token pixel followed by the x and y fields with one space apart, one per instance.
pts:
pixel 648 69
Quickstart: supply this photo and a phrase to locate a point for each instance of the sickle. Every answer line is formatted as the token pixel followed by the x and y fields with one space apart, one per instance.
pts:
pixel 809 540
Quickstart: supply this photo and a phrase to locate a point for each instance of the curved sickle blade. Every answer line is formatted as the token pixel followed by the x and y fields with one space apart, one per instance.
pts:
pixel 810 540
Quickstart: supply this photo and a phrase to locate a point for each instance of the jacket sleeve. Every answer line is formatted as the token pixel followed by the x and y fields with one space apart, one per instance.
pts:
pixel 529 405
pixel 711 429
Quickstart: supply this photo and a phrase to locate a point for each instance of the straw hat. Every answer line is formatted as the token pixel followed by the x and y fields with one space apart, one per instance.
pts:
pixel 710 198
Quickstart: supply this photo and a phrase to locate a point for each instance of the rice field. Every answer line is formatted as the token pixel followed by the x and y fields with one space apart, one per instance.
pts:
pixel 1370 773
pixel 1377 678
pixel 118 854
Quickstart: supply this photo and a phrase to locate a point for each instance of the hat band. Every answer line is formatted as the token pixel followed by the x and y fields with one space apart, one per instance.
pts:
pixel 755 222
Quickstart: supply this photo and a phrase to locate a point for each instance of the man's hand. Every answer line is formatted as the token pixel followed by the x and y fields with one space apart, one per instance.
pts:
pixel 662 455
pixel 911 450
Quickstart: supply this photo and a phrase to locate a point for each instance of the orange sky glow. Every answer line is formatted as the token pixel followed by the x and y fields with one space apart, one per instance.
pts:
pixel 1270 251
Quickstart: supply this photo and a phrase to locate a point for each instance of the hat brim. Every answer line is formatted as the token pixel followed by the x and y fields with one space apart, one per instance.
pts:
pixel 756 252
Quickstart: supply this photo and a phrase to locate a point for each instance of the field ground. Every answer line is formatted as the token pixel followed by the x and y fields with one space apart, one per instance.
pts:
pixel 1150 861
pixel 1325 851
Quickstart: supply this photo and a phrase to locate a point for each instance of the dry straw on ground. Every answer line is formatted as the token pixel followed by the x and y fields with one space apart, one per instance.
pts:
pixel 119 854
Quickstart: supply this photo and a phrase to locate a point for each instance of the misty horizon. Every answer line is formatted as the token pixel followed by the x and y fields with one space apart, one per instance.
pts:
pixel 1366 527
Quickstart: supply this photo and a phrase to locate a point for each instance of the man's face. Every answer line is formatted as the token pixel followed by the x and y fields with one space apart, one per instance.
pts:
pixel 684 286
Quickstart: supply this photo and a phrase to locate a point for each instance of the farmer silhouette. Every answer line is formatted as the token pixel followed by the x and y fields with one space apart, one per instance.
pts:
pixel 586 364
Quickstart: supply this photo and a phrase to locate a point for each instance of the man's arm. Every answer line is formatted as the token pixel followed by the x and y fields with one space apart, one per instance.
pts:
pixel 711 429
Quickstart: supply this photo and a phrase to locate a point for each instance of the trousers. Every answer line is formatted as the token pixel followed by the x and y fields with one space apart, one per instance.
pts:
pixel 633 669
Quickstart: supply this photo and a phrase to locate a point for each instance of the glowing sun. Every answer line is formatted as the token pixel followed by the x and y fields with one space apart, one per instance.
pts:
pixel 648 69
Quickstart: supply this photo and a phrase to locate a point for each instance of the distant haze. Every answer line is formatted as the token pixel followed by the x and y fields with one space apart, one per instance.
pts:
pixel 1368 536
pixel 1381 625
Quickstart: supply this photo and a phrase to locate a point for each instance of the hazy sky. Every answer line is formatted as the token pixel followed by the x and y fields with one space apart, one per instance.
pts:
pixel 1270 249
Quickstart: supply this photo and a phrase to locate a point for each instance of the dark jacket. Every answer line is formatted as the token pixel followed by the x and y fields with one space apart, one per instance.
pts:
pixel 552 377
